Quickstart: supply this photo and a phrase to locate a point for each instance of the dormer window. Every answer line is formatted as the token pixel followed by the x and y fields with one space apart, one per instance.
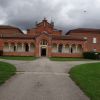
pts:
pixel 94 40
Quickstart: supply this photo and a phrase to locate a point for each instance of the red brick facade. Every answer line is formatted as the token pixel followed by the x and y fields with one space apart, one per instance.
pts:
pixel 45 40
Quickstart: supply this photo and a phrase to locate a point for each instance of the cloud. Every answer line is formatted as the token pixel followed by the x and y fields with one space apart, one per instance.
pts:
pixel 66 14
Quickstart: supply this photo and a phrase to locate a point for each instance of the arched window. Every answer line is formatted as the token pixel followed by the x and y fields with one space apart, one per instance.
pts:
pixel 12 47
pixel 60 48
pixel 54 48
pixel 32 46
pixel 6 47
pixel 73 48
pixel 79 48
pixel 19 47
pixel 44 42
pixel 26 47
pixel 67 50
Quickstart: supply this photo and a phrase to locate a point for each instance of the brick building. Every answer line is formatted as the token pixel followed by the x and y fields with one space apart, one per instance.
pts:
pixel 45 40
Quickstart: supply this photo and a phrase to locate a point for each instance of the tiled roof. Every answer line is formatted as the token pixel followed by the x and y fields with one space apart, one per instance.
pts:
pixel 66 37
pixel 22 36
pixel 84 30
pixel 4 27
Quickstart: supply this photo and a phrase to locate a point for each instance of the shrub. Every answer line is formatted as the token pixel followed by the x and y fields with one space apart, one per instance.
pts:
pixel 1 52
pixel 91 55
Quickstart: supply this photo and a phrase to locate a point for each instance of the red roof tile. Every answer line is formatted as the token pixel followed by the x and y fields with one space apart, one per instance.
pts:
pixel 4 30
pixel 83 30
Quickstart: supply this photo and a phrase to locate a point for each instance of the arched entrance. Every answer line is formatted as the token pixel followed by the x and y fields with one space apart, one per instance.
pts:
pixel 43 48
pixel 43 51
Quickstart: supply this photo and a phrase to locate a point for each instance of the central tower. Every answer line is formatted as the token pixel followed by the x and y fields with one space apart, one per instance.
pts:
pixel 44 26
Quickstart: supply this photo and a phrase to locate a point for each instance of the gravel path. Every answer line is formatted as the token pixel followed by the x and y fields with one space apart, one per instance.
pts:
pixel 42 79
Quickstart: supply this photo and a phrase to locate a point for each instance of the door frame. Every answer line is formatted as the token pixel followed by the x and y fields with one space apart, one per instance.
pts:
pixel 45 51
pixel 40 47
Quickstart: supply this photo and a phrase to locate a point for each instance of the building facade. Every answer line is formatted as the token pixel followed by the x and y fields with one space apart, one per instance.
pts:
pixel 45 40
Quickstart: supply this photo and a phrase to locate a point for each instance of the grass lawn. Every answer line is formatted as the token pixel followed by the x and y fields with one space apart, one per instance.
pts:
pixel 66 59
pixel 18 58
pixel 6 71
pixel 87 77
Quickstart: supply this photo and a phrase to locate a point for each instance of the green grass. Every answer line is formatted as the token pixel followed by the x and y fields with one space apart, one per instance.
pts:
pixel 66 59
pixel 6 71
pixel 18 58
pixel 87 77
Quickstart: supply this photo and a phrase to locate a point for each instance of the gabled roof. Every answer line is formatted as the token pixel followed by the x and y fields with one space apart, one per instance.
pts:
pixel 53 37
pixel 21 36
pixel 83 30
pixel 45 33
pixel 4 27
pixel 45 21
pixel 66 37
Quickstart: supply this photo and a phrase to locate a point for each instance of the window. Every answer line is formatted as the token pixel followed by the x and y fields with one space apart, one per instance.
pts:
pixel 94 50
pixel 14 48
pixel 94 40
pixel 43 42
pixel 54 48
pixel 27 47
pixel 85 38
pixel 60 48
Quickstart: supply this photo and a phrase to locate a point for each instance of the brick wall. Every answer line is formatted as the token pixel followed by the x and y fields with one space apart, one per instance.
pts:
pixel 65 55
pixel 89 43
pixel 44 26
pixel 18 54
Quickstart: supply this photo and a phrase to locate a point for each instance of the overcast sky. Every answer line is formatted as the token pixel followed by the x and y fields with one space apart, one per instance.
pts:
pixel 67 14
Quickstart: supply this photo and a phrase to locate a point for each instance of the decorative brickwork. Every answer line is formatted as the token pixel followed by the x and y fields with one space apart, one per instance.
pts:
pixel 45 40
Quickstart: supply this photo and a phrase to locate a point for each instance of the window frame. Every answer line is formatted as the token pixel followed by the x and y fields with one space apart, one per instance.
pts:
pixel 94 40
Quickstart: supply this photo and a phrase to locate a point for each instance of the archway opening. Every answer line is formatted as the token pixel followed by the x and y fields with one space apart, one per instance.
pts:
pixel 43 52
pixel 43 48
pixel 15 48
pixel 26 47
pixel 60 48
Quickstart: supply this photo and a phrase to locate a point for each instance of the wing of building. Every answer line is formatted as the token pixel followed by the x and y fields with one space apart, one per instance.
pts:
pixel 45 40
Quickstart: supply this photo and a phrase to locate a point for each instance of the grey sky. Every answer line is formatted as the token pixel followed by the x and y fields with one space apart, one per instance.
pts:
pixel 67 14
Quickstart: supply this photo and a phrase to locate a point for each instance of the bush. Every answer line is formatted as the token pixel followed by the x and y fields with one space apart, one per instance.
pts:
pixel 91 55
pixel 1 52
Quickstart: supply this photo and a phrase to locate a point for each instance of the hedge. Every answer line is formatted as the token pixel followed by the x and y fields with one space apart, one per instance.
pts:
pixel 91 55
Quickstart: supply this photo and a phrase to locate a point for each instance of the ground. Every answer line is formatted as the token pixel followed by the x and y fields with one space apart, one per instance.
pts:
pixel 66 59
pixel 25 58
pixel 42 79
pixel 89 81
pixel 6 71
